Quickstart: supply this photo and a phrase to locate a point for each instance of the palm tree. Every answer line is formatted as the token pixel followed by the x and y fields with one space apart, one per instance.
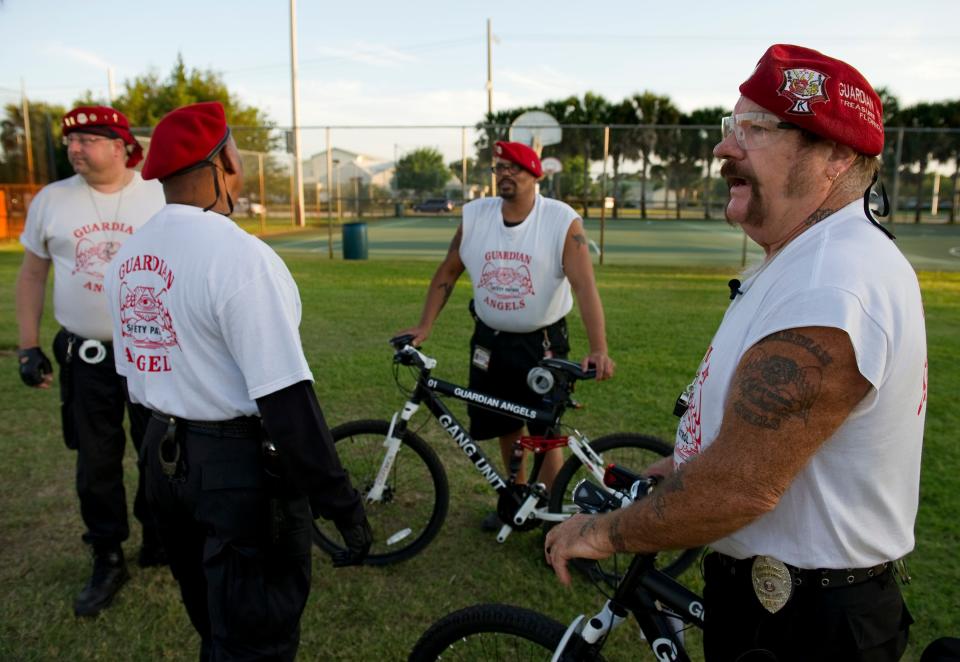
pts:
pixel 651 109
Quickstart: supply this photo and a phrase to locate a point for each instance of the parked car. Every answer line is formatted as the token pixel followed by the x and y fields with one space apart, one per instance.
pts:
pixel 435 205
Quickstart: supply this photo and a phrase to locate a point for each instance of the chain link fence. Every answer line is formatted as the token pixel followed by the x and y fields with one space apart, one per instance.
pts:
pixel 370 172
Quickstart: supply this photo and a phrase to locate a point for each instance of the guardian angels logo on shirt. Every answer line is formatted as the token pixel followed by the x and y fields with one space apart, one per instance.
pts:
pixel 506 279
pixel 690 432
pixel 145 280
pixel 803 87
pixel 92 253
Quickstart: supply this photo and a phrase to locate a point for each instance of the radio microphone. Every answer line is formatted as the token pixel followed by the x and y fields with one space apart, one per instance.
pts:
pixel 734 286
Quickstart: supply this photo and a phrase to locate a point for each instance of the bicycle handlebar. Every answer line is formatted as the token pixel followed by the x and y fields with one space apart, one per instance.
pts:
pixel 408 354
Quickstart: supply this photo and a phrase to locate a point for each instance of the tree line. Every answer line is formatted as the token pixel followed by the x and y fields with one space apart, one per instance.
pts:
pixel 653 144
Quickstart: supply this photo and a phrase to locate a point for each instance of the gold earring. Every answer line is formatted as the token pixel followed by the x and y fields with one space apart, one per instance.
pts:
pixel 834 177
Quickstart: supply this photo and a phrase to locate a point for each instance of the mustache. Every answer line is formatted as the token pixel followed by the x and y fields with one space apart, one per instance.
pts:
pixel 731 169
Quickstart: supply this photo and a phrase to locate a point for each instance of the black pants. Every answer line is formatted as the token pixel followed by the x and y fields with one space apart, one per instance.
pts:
pixel 93 400
pixel 511 356
pixel 240 555
pixel 867 621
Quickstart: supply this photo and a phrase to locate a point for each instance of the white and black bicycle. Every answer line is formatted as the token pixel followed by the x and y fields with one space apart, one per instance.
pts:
pixel 662 608
pixel 405 485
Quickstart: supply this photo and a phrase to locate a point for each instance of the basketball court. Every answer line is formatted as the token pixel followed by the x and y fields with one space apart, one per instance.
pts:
pixel 934 247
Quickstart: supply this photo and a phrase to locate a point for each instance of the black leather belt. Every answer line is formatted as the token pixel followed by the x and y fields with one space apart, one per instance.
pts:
pixel 244 426
pixel 817 577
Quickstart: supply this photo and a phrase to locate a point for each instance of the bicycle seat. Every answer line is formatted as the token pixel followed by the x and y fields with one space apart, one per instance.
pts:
pixel 568 368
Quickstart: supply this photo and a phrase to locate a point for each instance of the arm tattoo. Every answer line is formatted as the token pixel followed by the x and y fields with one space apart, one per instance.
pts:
pixel 674 483
pixel 773 388
pixel 447 291
pixel 818 216
pixel 588 526
pixel 800 340
pixel 616 538
pixel 580 239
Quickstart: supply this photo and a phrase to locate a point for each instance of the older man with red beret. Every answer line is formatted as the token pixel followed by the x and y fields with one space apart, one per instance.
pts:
pixel 77 225
pixel 527 257
pixel 798 456
pixel 205 321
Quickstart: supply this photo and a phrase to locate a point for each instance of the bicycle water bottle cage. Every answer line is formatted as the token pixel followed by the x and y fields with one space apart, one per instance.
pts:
pixel 541 444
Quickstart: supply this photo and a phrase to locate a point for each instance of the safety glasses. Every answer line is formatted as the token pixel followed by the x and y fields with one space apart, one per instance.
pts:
pixel 754 130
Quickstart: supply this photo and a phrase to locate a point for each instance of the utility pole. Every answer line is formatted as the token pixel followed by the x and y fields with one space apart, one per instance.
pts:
pixel 28 144
pixel 493 158
pixel 329 196
pixel 299 217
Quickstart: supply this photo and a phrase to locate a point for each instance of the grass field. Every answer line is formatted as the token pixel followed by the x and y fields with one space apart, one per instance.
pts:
pixel 660 320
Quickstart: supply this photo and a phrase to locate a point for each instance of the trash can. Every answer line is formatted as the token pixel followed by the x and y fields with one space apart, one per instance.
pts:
pixel 354 241
pixel 398 210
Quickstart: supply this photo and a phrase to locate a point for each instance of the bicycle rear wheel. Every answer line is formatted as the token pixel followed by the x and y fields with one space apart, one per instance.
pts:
pixel 631 451
pixel 490 632
pixel 415 499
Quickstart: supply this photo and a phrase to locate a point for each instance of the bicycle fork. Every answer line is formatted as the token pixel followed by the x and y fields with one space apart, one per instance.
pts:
pixel 392 446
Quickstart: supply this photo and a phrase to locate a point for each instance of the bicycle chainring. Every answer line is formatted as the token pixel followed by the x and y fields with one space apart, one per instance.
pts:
pixel 510 501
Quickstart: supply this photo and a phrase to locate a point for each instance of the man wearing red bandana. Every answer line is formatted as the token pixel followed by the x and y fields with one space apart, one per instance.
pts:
pixel 78 225
pixel 526 256
pixel 798 456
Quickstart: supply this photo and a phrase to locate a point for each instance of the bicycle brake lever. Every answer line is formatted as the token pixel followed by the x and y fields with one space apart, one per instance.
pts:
pixel 398 342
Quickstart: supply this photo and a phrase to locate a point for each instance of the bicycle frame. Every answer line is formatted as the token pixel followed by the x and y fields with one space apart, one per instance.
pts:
pixel 428 391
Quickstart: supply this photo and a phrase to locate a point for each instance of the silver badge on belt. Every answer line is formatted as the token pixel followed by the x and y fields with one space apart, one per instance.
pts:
pixel 772 583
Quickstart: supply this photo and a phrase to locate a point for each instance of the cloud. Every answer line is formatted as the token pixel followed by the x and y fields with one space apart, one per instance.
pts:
pixel 541 83
pixel 377 55
pixel 57 49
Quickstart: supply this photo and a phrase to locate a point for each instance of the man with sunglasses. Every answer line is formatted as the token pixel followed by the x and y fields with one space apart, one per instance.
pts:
pixel 78 225
pixel 524 253
pixel 798 453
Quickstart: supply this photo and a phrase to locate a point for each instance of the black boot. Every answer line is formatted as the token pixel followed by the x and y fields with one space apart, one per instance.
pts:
pixel 109 574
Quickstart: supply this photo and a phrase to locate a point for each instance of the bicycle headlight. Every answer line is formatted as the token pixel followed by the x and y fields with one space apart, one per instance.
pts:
pixel 540 380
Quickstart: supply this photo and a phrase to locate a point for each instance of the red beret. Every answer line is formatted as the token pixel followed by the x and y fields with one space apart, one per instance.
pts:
pixel 520 154
pixel 185 137
pixel 823 95
pixel 104 121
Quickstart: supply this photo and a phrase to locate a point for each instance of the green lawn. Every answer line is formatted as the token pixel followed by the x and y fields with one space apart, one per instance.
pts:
pixel 660 320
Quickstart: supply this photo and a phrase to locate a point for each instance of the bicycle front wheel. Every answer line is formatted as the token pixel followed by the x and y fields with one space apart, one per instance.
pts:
pixel 491 632
pixel 414 501
pixel 631 451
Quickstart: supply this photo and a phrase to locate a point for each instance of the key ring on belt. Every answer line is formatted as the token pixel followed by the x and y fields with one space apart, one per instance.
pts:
pixel 98 348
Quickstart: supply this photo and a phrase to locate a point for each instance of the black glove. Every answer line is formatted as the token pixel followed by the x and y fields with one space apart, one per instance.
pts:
pixel 357 538
pixel 34 364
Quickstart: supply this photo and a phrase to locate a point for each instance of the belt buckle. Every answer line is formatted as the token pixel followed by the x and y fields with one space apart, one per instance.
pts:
pixel 772 583
pixel 98 348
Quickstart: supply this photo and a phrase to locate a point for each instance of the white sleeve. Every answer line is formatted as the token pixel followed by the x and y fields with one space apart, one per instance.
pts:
pixel 34 237
pixel 836 308
pixel 260 325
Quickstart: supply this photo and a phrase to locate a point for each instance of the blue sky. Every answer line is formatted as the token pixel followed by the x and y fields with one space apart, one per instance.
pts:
pixel 372 62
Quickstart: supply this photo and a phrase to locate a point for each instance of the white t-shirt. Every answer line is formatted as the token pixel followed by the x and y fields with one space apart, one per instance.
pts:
pixel 205 317
pixel 80 229
pixel 517 272
pixel 855 503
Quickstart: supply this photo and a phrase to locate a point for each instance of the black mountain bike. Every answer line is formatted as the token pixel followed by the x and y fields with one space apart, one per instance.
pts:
pixel 662 608
pixel 405 486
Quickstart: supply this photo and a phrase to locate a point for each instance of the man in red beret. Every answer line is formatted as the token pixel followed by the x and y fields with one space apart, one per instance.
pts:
pixel 77 225
pixel 798 455
pixel 527 256
pixel 206 324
